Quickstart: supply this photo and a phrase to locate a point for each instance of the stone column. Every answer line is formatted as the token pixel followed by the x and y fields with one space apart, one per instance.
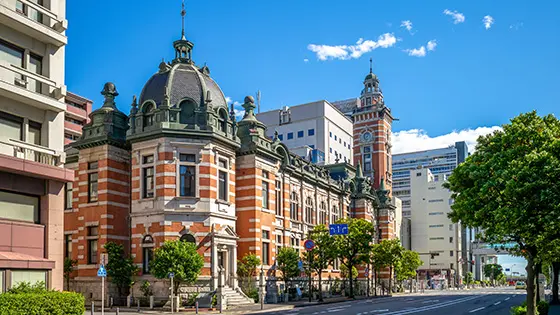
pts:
pixel 214 266
pixel 233 281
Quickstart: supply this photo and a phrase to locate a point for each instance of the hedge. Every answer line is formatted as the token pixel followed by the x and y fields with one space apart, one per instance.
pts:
pixel 45 303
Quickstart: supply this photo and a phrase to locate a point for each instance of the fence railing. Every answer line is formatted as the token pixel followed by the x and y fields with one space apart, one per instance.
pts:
pixel 31 152
pixel 29 80
pixel 37 13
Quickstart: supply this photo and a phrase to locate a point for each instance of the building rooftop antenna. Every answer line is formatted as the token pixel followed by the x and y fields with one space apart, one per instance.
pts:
pixel 258 101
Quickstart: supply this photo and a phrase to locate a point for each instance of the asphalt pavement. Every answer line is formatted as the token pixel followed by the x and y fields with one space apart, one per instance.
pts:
pixel 495 301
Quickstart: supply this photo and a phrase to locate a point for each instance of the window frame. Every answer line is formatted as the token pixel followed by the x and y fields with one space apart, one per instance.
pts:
pixel 68 246
pixel 265 190
pixel 68 195
pixel 278 198
pixel 92 257
pixel 294 206
pixel 180 178
pixel 145 167
pixel 93 181
pixel 223 188
pixel 147 253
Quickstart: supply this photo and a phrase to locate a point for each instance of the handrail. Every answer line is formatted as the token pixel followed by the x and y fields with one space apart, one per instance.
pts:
pixel 33 152
pixel 34 147
pixel 27 73
pixel 40 8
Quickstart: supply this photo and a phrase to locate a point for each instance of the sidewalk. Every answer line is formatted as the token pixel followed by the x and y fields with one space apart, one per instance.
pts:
pixel 554 310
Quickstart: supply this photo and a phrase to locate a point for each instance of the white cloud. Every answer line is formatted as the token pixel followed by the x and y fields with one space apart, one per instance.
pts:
pixel 516 26
pixel 345 52
pixel 407 24
pixel 488 21
pixel 418 140
pixel 236 108
pixel 431 45
pixel 417 52
pixel 306 60
pixel 457 16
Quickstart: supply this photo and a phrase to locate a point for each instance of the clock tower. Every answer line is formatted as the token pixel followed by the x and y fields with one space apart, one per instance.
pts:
pixel 372 133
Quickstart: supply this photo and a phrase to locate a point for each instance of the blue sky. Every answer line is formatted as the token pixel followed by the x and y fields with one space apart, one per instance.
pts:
pixel 466 80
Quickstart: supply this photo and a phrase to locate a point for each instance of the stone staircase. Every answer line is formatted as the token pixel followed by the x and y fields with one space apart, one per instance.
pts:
pixel 236 297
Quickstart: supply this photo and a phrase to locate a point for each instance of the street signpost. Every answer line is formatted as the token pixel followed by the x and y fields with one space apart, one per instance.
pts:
pixel 338 229
pixel 102 272
pixel 171 275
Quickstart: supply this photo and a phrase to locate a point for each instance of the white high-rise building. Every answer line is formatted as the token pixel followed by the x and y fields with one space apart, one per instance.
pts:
pixel 32 108
pixel 433 235
pixel 317 131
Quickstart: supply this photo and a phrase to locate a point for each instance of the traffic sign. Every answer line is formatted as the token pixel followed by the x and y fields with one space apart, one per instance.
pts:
pixel 507 269
pixel 309 245
pixel 102 272
pixel 338 229
pixel 171 275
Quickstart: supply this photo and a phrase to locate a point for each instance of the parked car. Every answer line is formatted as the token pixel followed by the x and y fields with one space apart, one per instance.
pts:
pixel 520 285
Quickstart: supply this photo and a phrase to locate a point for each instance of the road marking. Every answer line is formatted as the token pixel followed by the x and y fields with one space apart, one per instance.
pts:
pixel 497 303
pixel 477 309
pixel 335 310
pixel 435 306
pixel 430 301
pixel 507 298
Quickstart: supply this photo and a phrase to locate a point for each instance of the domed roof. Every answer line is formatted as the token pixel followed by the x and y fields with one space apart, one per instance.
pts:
pixel 182 80
pixel 370 76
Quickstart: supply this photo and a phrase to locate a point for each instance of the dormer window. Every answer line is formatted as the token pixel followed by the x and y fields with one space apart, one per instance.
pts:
pixel 223 121
pixel 148 115
pixel 285 116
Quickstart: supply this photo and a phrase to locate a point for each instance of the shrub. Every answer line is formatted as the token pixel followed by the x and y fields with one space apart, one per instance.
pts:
pixel 43 303
pixel 26 287
pixel 253 294
pixel 542 308
pixel 519 310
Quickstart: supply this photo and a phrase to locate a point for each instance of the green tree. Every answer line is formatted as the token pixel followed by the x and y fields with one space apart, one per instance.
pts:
pixel 287 261
pixel 550 259
pixel 391 252
pixel 344 272
pixel 120 268
pixel 178 257
pixel 377 261
pixel 354 248
pixel 69 265
pixel 406 267
pixel 323 254
pixel 509 189
pixel 493 271
pixel 247 271
pixel 468 278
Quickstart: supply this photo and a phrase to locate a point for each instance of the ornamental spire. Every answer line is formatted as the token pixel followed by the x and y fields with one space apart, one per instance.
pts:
pixel 183 47
pixel 370 65
pixel 183 13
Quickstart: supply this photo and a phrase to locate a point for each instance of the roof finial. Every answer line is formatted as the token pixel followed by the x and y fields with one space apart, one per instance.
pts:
pixel 183 13
pixel 370 65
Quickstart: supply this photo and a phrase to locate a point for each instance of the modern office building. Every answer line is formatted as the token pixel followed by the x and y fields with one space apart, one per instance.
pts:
pixel 32 173
pixel 316 131
pixel 77 115
pixel 433 235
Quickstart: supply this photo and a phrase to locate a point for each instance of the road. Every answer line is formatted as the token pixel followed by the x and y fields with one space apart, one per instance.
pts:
pixel 495 301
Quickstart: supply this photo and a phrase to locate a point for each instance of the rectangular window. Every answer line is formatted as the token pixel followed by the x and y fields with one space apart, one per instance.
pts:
pixel 418 174
pixel 278 198
pixel 330 134
pixel 186 158
pixel 335 138
pixel 30 276
pixel 148 180
pixel 68 246
pixel 266 235
pixel 279 238
pixel 35 65
pixel 264 194
pixel 19 207
pixel 187 178
pixel 92 181
pixel 430 213
pixel 451 239
pixel 300 134
pixel 92 237
pixel 34 133
pixel 223 182
pixel 330 150
pixel 311 132
pixel 450 227
pixel 290 135
pixel 451 253
pixel 68 195
pixel 436 225
pixel 436 238
pixel 265 253
pixel 11 126
pixel 366 149
pixel 367 162
pixel 281 137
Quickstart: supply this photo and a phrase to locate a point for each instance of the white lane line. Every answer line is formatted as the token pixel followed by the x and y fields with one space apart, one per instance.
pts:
pixel 497 303
pixel 435 306
pixel 477 309
pixel 379 311
pixel 430 301
pixel 507 298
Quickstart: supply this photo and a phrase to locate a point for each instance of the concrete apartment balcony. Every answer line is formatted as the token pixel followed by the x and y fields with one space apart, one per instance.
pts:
pixel 73 128
pixel 77 112
pixel 48 29
pixel 30 88
pixel 33 160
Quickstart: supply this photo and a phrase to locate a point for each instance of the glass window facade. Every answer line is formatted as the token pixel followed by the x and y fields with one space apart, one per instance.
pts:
pixel 19 207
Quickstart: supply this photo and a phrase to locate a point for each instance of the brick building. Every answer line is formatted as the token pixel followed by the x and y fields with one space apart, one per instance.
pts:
pixel 180 167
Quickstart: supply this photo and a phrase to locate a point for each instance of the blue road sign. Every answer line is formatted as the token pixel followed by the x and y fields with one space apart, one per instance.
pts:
pixel 171 275
pixel 507 269
pixel 309 245
pixel 338 229
pixel 300 265
pixel 102 272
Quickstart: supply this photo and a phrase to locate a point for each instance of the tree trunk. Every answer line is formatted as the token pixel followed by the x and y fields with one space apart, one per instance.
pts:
pixel 538 287
pixel 531 298
pixel 410 284
pixel 390 278
pixel 351 281
pixel 555 271
pixel 320 271
pixel 375 281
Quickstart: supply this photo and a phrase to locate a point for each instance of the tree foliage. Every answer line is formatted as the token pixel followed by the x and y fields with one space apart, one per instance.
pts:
pixel 509 188
pixel 406 267
pixel 69 265
pixel 180 258
pixel 493 271
pixel 323 254
pixel 287 260
pixel 354 248
pixel 120 268
pixel 247 270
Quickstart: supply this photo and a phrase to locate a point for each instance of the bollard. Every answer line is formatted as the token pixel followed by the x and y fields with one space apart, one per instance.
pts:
pixel 196 305
pixel 117 311
pixel 92 308
pixel 111 302
pixel 138 305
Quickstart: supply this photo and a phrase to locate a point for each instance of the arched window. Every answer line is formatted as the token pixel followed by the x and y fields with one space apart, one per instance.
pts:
pixel 294 205
pixel 322 213
pixel 148 115
pixel 223 121
pixel 309 210
pixel 187 112
pixel 147 253
pixel 189 238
